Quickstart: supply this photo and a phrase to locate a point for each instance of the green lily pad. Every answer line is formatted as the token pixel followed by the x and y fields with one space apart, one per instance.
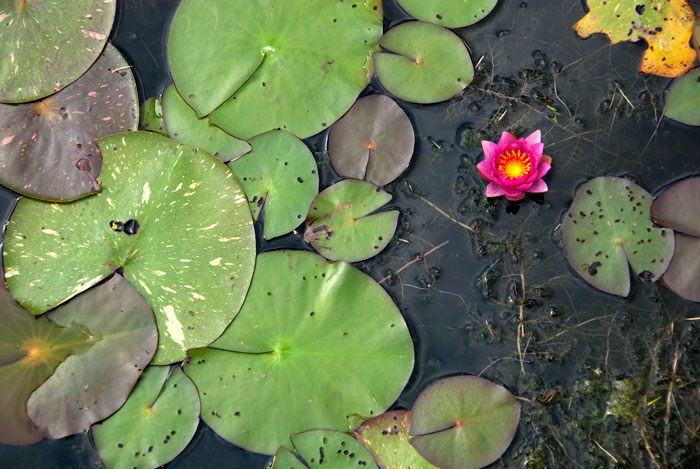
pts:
pixel 683 99
pixel 386 437
pixel 298 66
pixel 373 141
pixel 427 63
pixel 324 333
pixel 279 174
pixel 66 370
pixel 449 13
pixel 184 126
pixel 464 422
pixel 28 29
pixel 285 459
pixel 151 116
pixel 678 207
pixel 48 148
pixel 339 225
pixel 154 425
pixel 330 448
pixel 173 217
pixel 609 224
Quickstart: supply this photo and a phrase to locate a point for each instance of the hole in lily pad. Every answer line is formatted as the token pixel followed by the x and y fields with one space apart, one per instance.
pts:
pixel 463 422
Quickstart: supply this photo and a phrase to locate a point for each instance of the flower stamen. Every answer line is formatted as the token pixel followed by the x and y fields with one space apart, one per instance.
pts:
pixel 513 164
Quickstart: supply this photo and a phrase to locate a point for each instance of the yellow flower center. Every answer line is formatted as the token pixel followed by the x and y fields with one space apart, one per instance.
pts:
pixel 514 164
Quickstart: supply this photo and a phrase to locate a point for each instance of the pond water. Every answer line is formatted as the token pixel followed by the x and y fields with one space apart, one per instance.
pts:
pixel 603 381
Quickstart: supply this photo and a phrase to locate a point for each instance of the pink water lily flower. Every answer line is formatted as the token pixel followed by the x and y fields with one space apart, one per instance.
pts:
pixel 513 166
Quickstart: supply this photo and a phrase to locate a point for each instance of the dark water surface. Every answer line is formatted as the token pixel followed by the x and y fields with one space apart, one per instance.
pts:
pixel 604 381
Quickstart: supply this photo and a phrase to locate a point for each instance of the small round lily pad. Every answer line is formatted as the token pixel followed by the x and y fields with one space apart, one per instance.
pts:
pixel 387 436
pixel 154 425
pixel 463 422
pixel 340 224
pixel 331 448
pixel 373 141
pixel 425 64
pixel 683 99
pixel 280 175
pixel 449 13
pixel 48 148
pixel 74 35
pixel 151 116
pixel 74 366
pixel 608 225
pixel 325 333
pixel 183 125
pixel 683 275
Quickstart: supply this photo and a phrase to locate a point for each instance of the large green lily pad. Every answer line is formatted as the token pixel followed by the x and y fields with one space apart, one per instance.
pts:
pixel 609 225
pixel 183 125
pixel 463 422
pixel 373 141
pixel 387 437
pixel 683 99
pixel 28 29
pixel 340 224
pixel 259 65
pixel 426 63
pixel 330 448
pixel 189 248
pixel 48 148
pixel 154 425
pixel 66 370
pixel 279 174
pixel 315 343
pixel 449 13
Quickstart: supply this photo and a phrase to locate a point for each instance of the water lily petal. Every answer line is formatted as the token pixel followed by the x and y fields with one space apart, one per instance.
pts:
pixel 543 168
pixel 488 147
pixel 534 137
pixel 535 150
pixel 538 186
pixel 494 190
pixel 485 170
pixel 506 138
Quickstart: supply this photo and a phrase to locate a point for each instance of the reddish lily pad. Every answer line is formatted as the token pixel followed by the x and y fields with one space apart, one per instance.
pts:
pixel 427 63
pixel 279 174
pixel 678 207
pixel 666 26
pixel 183 125
pixel 48 148
pixel 340 224
pixel 151 116
pixel 373 141
pixel 387 438
pixel 449 13
pixel 154 425
pixel 609 225
pixel 464 422
pixel 683 99
pixel 74 34
pixel 331 448
pixel 173 217
pixel 76 365
pixel 323 332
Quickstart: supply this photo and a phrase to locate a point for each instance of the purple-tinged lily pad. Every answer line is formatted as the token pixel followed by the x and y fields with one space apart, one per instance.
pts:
pixel 683 99
pixel 463 422
pixel 608 225
pixel 426 63
pixel 151 116
pixel 387 438
pixel 173 217
pixel 280 174
pixel 45 45
pixel 48 148
pixel 315 342
pixel 373 141
pixel 449 13
pixel 154 425
pixel 683 275
pixel 76 365
pixel 340 224
pixel 183 125
pixel 285 459
pixel 331 448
